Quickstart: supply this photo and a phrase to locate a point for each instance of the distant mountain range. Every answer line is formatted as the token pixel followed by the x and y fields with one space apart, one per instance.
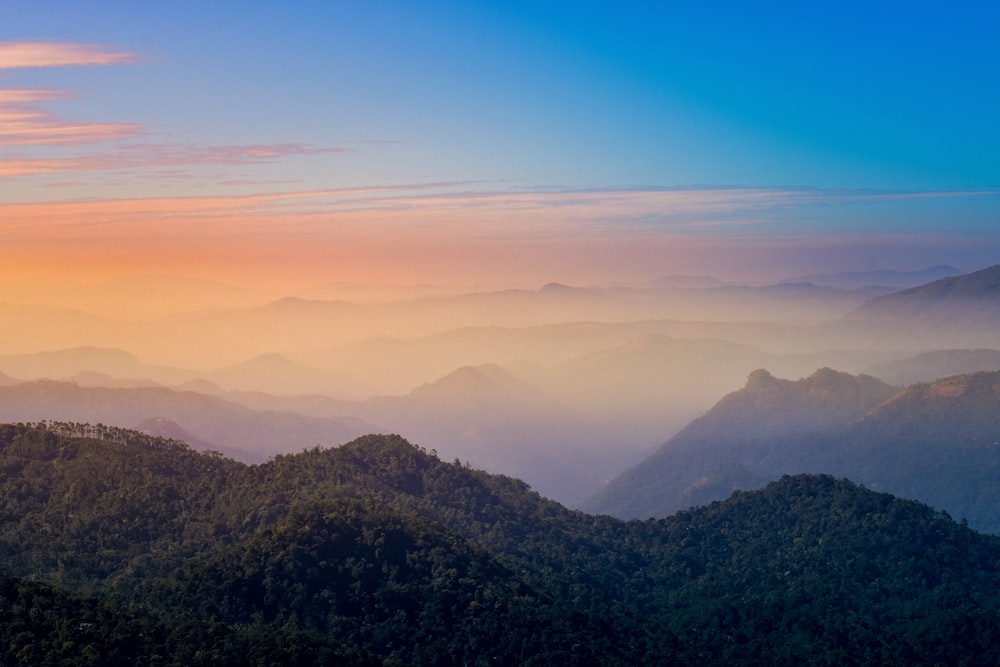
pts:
pixel 938 442
pixel 928 366
pixel 881 278
pixel 245 434
pixel 500 423
pixel 961 311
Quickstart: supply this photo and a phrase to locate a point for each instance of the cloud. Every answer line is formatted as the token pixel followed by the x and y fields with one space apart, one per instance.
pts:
pixel 443 231
pixel 16 55
pixel 141 156
pixel 24 122
pixel 21 126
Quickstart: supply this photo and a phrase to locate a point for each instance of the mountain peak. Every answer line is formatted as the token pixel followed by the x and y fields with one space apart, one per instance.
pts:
pixel 760 379
pixel 560 288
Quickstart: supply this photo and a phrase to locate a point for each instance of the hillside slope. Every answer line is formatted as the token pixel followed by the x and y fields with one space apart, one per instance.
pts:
pixel 377 549
pixel 959 311
pixel 738 443
pixel 934 442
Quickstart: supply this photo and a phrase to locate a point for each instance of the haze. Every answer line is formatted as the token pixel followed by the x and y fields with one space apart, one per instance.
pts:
pixel 541 239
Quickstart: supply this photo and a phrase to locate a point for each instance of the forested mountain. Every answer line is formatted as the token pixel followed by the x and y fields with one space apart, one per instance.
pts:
pixel 377 552
pixel 935 442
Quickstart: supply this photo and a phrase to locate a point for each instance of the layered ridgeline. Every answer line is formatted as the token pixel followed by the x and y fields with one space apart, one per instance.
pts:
pixel 957 311
pixel 938 442
pixel 377 552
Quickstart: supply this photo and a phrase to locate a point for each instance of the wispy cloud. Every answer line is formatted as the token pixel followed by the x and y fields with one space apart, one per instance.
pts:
pixel 437 231
pixel 16 55
pixel 20 126
pixel 25 122
pixel 23 119
pixel 136 156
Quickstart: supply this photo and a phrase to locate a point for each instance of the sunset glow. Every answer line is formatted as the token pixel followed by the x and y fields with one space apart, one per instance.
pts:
pixel 294 177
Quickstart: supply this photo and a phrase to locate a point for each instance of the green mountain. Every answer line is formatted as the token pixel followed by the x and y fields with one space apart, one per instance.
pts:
pixel 377 552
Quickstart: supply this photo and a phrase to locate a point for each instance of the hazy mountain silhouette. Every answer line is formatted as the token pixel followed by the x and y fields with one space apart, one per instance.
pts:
pixel 159 427
pixel 500 423
pixel 115 364
pixel 738 443
pixel 222 425
pixel 675 280
pixel 934 364
pixel 950 312
pixel 653 384
pixel 882 278
pixel 937 442
pixel 282 376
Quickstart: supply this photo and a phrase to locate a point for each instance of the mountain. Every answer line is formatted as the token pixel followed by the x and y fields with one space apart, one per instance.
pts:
pixel 97 366
pixel 881 278
pixel 158 427
pixel 283 376
pixel 66 362
pixel 377 552
pixel 485 415
pixel 221 425
pixel 928 366
pixel 738 443
pixel 676 280
pixel 652 384
pixel 934 442
pixel 147 297
pixel 950 312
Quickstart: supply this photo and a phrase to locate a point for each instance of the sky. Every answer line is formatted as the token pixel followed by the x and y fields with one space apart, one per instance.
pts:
pixel 307 143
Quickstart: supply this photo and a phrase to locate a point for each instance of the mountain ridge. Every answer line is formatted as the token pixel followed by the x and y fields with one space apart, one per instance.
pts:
pixel 353 551
pixel 931 441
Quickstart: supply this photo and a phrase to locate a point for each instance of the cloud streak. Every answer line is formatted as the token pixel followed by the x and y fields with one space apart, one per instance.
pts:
pixel 447 232
pixel 24 122
pixel 142 156
pixel 17 55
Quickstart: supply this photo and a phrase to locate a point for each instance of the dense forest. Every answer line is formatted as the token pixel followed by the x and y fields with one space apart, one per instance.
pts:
pixel 121 548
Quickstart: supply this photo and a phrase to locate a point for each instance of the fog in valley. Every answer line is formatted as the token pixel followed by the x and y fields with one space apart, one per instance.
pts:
pixel 564 386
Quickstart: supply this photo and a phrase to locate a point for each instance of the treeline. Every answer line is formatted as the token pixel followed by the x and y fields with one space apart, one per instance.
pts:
pixel 142 551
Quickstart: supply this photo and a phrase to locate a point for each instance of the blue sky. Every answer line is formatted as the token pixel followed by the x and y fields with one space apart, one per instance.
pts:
pixel 840 121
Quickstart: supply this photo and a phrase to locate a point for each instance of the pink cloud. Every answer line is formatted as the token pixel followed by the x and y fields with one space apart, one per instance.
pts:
pixel 15 55
pixel 419 231
pixel 24 123
pixel 30 95
pixel 28 126
pixel 134 156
